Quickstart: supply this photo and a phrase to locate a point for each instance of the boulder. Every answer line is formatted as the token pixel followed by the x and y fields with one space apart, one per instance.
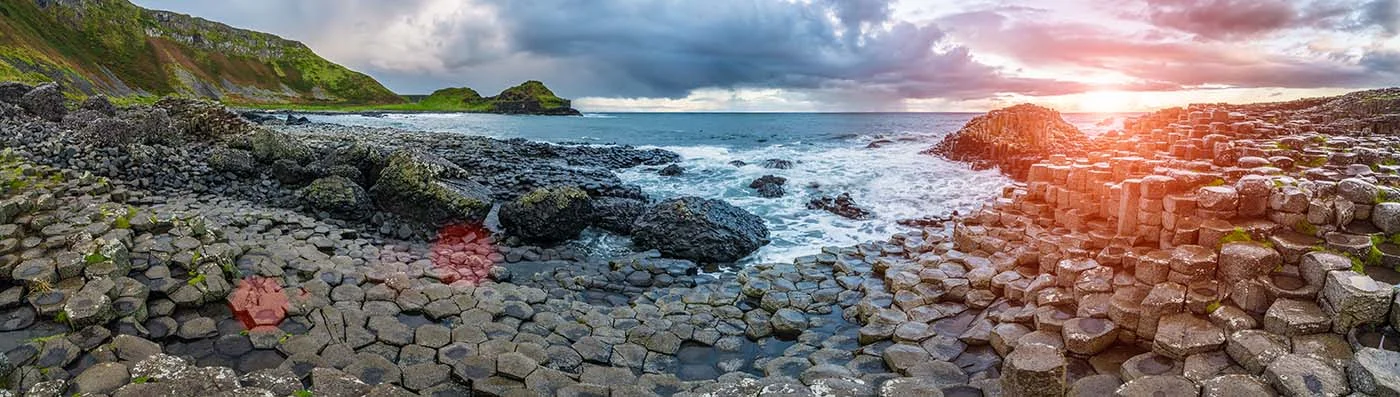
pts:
pixel 769 186
pixel 616 214
pixel 226 159
pixel 548 215
pixel 672 170
pixel 269 146
pixel 699 229
pixel 779 164
pixel 99 104
pixel 11 92
pixel 338 195
pixel 1386 216
pixel 1217 198
pixel 429 189
pixel 45 101
pixel 1291 317
pixel 101 379
pixel 1357 190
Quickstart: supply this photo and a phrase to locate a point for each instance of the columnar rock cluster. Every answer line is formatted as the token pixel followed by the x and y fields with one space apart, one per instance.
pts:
pixel 1011 139
pixel 1209 250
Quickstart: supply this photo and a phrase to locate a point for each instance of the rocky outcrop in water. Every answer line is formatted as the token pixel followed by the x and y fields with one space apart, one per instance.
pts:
pixel 699 229
pixel 1010 139
pixel 842 205
pixel 769 186
pixel 548 215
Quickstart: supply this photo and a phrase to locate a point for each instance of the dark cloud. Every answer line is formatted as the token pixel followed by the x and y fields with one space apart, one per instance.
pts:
pixel 1240 19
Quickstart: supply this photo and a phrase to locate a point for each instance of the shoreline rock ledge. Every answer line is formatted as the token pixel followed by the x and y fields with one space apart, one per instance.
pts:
pixel 1011 139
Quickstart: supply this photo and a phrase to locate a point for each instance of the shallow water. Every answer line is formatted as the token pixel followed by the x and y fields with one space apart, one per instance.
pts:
pixel 829 150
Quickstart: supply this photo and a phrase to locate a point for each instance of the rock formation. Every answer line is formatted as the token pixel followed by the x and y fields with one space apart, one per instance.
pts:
pixel 1010 139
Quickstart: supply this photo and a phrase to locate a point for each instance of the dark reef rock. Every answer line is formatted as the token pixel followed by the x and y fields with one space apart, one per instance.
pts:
pixel 11 92
pixel 699 229
pixel 616 214
pixel 769 186
pixel 428 189
pixel 1011 139
pixel 548 215
pixel 671 170
pixel 777 164
pixel 841 205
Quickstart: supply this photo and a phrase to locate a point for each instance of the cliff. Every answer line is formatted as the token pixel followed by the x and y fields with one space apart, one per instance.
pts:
pixel 115 48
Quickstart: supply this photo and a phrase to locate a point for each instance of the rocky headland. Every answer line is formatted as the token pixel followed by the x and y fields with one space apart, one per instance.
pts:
pixel 180 249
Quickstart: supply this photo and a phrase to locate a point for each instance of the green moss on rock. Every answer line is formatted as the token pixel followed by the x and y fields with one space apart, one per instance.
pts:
pixel 429 189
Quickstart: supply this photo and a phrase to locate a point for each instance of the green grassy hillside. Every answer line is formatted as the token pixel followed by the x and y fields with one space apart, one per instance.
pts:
pixel 113 47
pixel 530 97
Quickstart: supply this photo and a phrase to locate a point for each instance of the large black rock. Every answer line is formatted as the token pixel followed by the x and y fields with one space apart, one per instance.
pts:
pixel 428 189
pixel 548 215
pixel 699 229
pixel 616 214
pixel 45 101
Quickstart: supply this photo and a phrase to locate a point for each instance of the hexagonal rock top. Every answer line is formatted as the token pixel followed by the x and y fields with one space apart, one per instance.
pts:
pixel 1034 369
pixel 1184 334
pixel 1089 336
pixel 1246 260
pixel 1292 317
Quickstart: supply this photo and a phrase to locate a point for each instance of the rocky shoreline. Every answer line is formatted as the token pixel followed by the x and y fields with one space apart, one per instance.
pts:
pixel 178 249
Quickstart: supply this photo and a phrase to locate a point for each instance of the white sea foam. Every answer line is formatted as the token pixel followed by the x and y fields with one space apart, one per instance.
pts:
pixel 893 181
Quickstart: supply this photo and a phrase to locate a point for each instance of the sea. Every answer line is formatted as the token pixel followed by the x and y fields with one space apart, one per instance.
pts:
pixel 874 157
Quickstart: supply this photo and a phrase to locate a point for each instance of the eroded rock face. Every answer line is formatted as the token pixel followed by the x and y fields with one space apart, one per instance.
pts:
pixel 1011 139
pixel 699 229
pixel 548 215
pixel 428 189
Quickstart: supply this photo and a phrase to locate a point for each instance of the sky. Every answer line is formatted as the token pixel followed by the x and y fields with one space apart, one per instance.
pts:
pixel 849 55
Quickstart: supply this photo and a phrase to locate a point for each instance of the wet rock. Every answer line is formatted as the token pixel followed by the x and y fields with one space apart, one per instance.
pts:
pixel 1089 336
pixel 338 195
pixel 841 205
pixel 428 189
pixel 788 323
pixel 699 229
pixel 45 101
pixel 548 215
pixel 769 186
pixel 616 214
pixel 671 170
pixel 779 164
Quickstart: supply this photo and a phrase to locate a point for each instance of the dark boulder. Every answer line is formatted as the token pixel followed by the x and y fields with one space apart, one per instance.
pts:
pixel 226 159
pixel 202 120
pixel 290 173
pixel 294 120
pixel 11 92
pixel 1011 139
pixel 769 186
pixel 672 170
pixel 428 189
pixel 339 196
pixel 99 104
pixel 108 131
pixel 366 158
pixel 779 164
pixel 45 101
pixel 152 124
pixel 548 215
pixel 270 146
pixel 616 214
pixel 738 163
pixel 699 229
pixel 841 205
